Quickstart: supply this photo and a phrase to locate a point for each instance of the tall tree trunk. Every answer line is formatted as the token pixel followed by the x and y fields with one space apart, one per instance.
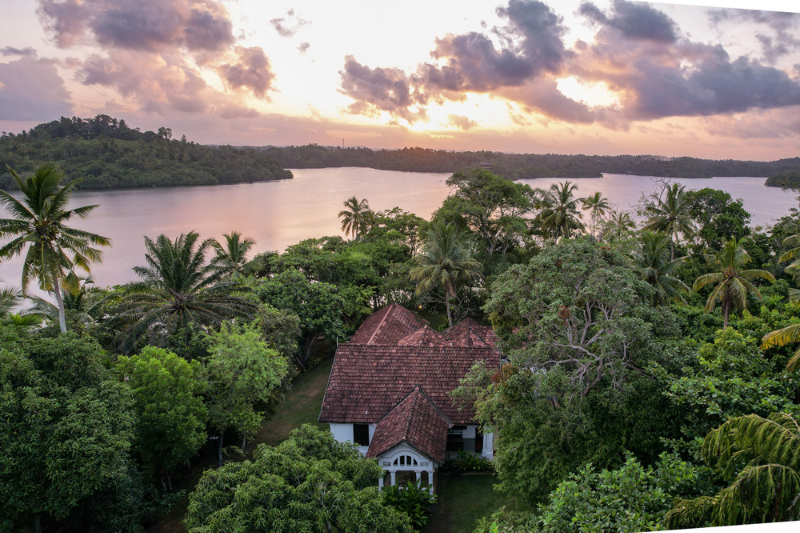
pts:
pixel 244 444
pixel 219 450
pixel 37 523
pixel 725 311
pixel 62 317
pixel 447 303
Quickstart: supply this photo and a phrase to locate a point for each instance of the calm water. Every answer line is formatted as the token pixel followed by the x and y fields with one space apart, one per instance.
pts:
pixel 277 214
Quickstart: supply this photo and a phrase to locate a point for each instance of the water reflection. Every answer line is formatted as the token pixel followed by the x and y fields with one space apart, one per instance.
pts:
pixel 277 214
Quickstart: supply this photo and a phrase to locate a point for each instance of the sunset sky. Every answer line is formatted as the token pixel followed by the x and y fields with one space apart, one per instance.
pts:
pixel 566 76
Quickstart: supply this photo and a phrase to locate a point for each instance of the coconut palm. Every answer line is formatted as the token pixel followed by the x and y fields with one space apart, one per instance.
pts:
pixel 356 217
pixel 9 297
pixel 669 212
pixel 767 489
pixel 231 258
pixel 84 305
pixel 618 225
pixel 732 284
pixel 654 266
pixel 788 335
pixel 443 262
pixel 177 288
pixel 54 250
pixel 559 210
pixel 597 205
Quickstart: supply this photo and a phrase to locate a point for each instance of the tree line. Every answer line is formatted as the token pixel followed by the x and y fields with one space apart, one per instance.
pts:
pixel 521 166
pixel 648 380
pixel 106 153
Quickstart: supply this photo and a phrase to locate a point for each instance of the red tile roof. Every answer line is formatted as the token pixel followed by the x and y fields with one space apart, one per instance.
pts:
pixel 387 326
pixel 367 381
pixel 415 421
pixel 469 332
pixel 425 336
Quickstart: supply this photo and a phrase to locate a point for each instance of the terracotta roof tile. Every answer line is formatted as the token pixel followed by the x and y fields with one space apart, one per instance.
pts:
pixel 387 326
pixel 367 381
pixel 470 332
pixel 426 336
pixel 416 421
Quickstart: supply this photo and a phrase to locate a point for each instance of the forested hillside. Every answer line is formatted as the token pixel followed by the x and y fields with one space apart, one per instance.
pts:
pixel 517 166
pixel 107 153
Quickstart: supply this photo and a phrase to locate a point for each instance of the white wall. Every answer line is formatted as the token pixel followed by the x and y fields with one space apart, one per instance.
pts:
pixel 488 446
pixel 344 433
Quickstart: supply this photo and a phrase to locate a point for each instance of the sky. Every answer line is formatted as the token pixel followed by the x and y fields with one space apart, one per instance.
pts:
pixel 566 76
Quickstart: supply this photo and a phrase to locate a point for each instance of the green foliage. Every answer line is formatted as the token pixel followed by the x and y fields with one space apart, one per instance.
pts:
pixel 177 289
pixel 68 426
pixel 669 212
pixel 766 454
pixel 491 208
pixel 578 332
pixel 280 329
pixel 318 305
pixel 785 180
pixel 652 262
pixel 39 224
pixel 717 217
pixel 727 378
pixel 104 153
pixel 171 416
pixel 629 499
pixel 467 462
pixel 242 371
pixel 356 217
pixel 413 500
pixel 444 262
pixel 559 215
pixel 309 483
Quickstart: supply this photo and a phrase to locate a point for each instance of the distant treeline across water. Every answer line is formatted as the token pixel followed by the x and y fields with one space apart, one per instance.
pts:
pixel 524 166
pixel 106 153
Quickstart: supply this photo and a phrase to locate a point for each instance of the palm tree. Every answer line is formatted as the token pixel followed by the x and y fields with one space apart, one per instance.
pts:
pixel 597 205
pixel 670 214
pixel 231 258
pixel 9 297
pixel 85 304
pixel 618 224
pixel 767 489
pixel 732 285
pixel 654 266
pixel 356 217
pixel 54 250
pixel 443 262
pixel 560 212
pixel 788 335
pixel 177 289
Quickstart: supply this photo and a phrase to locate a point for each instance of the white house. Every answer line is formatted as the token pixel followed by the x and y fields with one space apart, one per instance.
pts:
pixel 389 392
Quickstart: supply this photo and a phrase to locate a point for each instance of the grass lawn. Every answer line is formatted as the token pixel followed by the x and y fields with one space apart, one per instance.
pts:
pixel 301 405
pixel 462 501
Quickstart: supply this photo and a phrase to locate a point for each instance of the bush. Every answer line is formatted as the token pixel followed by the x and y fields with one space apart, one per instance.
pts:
pixel 412 500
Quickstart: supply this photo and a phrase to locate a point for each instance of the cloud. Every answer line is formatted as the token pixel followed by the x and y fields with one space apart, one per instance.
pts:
pixel 532 45
pixel 380 89
pixel 530 54
pixel 785 27
pixel 287 28
pixel 251 70
pixel 11 51
pixel 31 89
pixel 459 121
pixel 303 47
pixel 634 20
pixel 665 77
pixel 154 52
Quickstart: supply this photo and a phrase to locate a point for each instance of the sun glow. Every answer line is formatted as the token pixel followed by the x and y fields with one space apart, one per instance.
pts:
pixel 597 94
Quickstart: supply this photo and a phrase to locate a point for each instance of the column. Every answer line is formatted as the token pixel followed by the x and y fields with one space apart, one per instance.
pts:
pixel 419 477
pixel 393 478
pixel 380 481
pixel 430 481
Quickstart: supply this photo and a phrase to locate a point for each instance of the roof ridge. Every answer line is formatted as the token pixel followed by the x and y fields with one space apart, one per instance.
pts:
pixel 378 328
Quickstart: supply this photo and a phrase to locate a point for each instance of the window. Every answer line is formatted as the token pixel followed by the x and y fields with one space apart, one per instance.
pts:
pixel 361 434
pixel 455 438
pixel 478 441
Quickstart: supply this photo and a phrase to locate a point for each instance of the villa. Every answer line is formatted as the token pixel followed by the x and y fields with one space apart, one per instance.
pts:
pixel 389 392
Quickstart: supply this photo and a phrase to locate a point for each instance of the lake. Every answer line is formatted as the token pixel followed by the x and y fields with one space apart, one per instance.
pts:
pixel 280 213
